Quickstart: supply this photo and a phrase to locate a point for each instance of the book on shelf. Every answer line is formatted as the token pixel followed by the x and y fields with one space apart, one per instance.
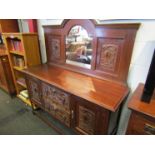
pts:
pixel 18 61
pixel 12 45
pixel 24 93
pixel 16 45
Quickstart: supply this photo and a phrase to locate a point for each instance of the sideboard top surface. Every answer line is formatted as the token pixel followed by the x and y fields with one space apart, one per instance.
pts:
pixel 142 107
pixel 106 94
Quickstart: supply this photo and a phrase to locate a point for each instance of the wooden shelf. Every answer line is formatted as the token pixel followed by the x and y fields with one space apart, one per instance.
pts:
pixel 21 82
pixel 27 101
pixel 23 51
pixel 18 68
pixel 17 53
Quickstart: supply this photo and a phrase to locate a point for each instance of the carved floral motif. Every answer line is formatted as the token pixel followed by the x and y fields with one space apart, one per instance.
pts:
pixel 86 119
pixel 57 103
pixel 108 56
pixel 34 90
pixel 56 48
pixel 53 95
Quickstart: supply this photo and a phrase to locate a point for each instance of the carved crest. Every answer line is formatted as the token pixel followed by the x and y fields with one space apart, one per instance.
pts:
pixel 56 48
pixel 108 56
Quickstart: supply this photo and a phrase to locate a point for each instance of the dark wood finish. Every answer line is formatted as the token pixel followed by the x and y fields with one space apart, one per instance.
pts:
pixel 34 90
pixel 78 101
pixel 6 79
pixel 104 93
pixel 9 25
pixel 57 102
pixel 111 45
pixel 142 119
pixel 84 99
pixel 87 118
pixel 79 114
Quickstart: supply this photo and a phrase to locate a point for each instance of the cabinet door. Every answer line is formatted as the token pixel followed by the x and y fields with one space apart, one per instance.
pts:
pixel 87 118
pixel 57 103
pixel 34 90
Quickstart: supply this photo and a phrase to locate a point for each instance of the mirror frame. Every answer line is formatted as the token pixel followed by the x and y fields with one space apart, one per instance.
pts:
pixel 80 64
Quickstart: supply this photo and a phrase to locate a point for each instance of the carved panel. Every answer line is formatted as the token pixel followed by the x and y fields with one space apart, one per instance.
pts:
pixel 63 116
pixel 86 120
pixel 53 95
pixel 56 48
pixel 54 45
pixel 57 103
pixel 34 89
pixel 108 56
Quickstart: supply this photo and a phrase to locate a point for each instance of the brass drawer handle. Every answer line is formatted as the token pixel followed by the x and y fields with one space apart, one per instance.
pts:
pixel 149 129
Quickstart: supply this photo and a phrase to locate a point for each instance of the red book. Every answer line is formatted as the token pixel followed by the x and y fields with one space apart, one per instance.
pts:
pixel 12 45
pixel 20 46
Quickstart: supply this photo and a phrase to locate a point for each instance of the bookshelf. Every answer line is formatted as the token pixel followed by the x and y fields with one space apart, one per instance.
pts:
pixel 23 51
pixel 6 78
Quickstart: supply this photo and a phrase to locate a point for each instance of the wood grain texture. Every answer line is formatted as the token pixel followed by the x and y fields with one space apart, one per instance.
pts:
pixel 142 119
pixel 9 25
pixel 140 124
pixel 120 36
pixel 88 118
pixel 106 94
pixel 6 78
pixel 137 105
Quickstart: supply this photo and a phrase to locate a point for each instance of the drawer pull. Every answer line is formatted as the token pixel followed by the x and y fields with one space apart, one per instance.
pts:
pixel 149 129
pixel 72 114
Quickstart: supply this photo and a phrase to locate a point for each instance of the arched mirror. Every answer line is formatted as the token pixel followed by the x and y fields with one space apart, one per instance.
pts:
pixel 79 47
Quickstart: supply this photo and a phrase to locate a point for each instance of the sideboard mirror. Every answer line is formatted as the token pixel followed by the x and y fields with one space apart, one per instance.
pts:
pixel 79 47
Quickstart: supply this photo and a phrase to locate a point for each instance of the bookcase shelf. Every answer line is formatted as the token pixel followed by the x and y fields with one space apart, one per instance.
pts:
pixel 21 81
pixel 17 68
pixel 23 51
pixel 17 53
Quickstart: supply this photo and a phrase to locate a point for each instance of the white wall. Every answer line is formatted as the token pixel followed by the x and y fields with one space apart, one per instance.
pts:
pixel 142 52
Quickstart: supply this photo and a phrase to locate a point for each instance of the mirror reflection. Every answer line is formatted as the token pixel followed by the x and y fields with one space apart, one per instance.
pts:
pixel 79 47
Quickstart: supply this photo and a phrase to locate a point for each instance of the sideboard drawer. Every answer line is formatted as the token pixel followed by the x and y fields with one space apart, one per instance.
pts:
pixel 52 95
pixel 57 103
pixel 141 125
pixel 63 116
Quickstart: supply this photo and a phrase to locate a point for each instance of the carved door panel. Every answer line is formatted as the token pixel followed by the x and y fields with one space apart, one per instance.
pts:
pixel 57 103
pixel 85 116
pixel 34 90
pixel 54 47
pixel 109 52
